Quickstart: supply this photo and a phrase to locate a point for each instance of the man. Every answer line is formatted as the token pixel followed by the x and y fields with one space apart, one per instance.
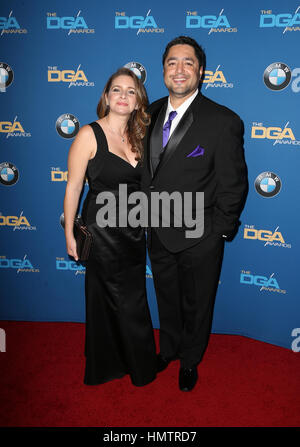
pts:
pixel 204 153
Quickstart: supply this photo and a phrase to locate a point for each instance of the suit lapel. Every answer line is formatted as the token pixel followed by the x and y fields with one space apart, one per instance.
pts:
pixel 176 137
pixel 156 138
pixel 174 141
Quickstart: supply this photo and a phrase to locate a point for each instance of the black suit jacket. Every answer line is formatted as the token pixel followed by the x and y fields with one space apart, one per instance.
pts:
pixel 220 172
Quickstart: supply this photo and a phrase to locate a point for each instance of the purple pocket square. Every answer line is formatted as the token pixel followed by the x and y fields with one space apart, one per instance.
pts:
pixel 196 152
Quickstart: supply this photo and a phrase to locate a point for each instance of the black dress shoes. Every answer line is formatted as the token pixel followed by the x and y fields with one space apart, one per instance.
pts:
pixel 188 378
pixel 162 362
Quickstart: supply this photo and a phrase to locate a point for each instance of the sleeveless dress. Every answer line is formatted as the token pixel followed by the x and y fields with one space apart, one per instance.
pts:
pixel 119 336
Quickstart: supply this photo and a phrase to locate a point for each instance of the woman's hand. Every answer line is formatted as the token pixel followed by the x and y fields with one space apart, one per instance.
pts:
pixel 71 247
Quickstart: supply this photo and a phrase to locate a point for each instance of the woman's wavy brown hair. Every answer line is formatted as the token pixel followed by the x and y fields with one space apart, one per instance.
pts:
pixel 139 119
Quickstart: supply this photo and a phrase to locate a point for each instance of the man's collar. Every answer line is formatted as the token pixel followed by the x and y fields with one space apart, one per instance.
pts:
pixel 184 105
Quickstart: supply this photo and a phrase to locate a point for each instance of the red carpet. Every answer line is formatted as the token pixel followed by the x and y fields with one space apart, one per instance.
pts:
pixel 242 383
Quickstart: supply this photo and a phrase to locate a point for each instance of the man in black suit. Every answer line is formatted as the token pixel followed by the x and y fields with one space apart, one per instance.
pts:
pixel 204 153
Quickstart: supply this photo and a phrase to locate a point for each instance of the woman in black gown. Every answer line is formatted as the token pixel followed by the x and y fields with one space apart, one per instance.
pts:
pixel 119 335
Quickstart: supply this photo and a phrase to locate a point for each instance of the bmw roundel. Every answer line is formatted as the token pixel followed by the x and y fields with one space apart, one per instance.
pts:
pixel 267 184
pixel 9 174
pixel 6 75
pixel 138 69
pixel 67 125
pixel 277 76
pixel 62 219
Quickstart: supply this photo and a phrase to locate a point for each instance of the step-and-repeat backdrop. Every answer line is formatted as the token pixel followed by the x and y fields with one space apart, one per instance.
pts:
pixel 55 59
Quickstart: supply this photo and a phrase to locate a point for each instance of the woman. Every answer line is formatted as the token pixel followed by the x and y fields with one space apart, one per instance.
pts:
pixel 119 335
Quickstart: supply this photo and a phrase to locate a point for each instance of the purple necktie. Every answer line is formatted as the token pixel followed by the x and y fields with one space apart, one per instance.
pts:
pixel 167 127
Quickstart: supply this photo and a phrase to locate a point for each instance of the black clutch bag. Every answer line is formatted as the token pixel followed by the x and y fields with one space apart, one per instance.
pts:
pixel 83 238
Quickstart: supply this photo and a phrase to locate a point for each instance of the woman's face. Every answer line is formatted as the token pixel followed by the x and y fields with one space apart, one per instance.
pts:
pixel 121 97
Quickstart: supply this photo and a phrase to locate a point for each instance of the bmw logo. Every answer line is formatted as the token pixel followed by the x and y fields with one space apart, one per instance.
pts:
pixel 6 75
pixel 67 125
pixel 62 219
pixel 267 184
pixel 138 70
pixel 277 76
pixel 9 174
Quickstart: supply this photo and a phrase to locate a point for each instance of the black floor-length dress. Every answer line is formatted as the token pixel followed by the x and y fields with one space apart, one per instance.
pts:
pixel 119 335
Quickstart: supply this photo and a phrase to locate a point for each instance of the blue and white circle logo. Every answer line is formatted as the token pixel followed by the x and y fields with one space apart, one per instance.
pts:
pixel 277 76
pixel 9 174
pixel 267 184
pixel 67 125
pixel 6 76
pixel 62 219
pixel 138 69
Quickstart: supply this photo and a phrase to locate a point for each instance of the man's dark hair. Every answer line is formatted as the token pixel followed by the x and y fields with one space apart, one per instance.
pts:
pixel 185 40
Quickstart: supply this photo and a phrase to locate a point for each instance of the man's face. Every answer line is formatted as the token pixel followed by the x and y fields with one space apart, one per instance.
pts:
pixel 181 71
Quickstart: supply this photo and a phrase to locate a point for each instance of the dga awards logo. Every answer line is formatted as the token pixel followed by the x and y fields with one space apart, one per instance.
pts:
pixel 216 79
pixel 277 76
pixel 10 25
pixel 13 129
pixel 268 284
pixel 212 23
pixel 67 125
pixel 138 69
pixel 288 21
pixel 143 24
pixel 267 184
pixel 278 135
pixel 15 222
pixel 19 265
pixel 57 175
pixel 70 266
pixel 6 76
pixel 74 25
pixel 74 78
pixel 9 174
pixel 271 238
